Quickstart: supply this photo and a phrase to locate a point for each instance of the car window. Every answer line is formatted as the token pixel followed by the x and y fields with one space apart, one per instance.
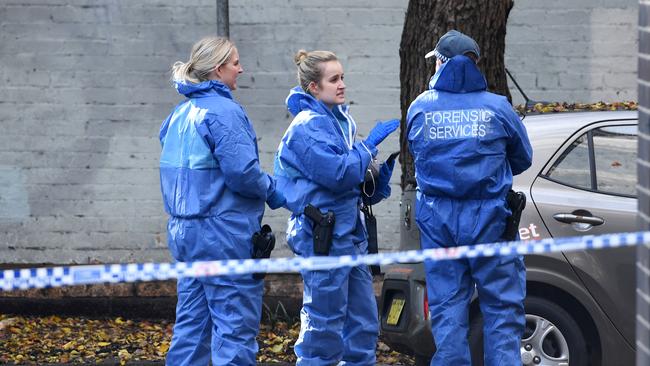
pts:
pixel 613 168
pixel 572 168
pixel 615 157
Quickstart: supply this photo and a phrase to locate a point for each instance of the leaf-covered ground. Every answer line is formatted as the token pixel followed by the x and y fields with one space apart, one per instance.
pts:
pixel 577 107
pixel 80 340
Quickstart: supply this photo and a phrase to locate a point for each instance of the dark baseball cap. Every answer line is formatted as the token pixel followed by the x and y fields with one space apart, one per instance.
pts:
pixel 454 43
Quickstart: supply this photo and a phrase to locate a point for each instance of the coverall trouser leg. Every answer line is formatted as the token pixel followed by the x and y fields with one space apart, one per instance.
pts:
pixel 216 320
pixel 361 327
pixel 449 290
pixel 501 286
pixel 339 321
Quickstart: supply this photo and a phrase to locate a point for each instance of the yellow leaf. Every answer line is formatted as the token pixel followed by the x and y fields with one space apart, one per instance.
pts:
pixel 103 344
pixel 123 354
pixel 277 348
pixel 163 348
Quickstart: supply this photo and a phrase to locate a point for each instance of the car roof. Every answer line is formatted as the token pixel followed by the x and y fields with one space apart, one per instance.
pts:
pixel 547 133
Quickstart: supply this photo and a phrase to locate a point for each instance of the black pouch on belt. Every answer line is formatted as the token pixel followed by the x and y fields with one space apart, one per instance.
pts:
pixel 263 244
pixel 371 229
pixel 516 202
pixel 322 229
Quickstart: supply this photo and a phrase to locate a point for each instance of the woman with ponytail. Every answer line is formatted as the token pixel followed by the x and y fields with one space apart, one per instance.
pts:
pixel 214 192
pixel 320 164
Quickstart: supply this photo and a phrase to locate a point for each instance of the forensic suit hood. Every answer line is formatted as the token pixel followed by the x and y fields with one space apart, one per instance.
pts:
pixel 480 136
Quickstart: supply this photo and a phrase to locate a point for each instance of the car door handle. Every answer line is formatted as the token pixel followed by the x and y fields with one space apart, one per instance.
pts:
pixel 568 218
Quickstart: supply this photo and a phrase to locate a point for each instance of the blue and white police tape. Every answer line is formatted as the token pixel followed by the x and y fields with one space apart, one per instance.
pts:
pixel 29 278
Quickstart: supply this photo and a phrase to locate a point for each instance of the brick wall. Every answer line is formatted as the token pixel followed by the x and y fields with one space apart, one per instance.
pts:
pixel 84 87
pixel 578 50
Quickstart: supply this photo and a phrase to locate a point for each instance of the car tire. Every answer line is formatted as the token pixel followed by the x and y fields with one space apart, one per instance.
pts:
pixel 563 338
pixel 422 360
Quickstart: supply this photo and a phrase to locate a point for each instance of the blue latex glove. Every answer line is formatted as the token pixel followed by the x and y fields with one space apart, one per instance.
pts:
pixel 381 131
pixel 383 181
pixel 276 200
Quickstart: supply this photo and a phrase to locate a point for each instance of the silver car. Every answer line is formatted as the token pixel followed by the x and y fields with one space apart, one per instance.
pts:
pixel 580 306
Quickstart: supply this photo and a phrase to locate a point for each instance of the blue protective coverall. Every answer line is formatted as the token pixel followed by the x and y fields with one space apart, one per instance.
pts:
pixel 318 162
pixel 214 191
pixel 467 143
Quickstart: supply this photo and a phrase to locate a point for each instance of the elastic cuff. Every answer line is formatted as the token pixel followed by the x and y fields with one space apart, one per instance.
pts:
pixel 370 148
pixel 270 190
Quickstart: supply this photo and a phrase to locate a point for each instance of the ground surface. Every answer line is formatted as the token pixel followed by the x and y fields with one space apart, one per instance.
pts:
pixel 79 340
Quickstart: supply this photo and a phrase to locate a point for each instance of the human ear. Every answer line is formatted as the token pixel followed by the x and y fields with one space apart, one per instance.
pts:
pixel 313 88
pixel 217 71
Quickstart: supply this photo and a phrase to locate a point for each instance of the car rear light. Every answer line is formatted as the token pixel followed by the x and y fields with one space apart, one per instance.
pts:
pixel 426 305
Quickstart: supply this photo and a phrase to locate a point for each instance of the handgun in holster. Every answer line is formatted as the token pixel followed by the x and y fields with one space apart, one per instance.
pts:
pixel 263 244
pixel 516 202
pixel 322 229
pixel 371 229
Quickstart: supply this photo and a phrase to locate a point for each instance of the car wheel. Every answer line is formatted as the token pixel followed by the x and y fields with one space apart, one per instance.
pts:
pixel 551 338
pixel 422 360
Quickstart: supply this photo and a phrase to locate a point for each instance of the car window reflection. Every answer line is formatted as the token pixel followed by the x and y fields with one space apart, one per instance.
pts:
pixel 615 156
pixel 613 169
pixel 572 168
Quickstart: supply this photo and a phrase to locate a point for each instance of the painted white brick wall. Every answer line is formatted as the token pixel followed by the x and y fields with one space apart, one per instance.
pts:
pixel 576 50
pixel 84 86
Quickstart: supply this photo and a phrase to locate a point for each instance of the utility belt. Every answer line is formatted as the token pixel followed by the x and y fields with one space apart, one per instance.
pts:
pixel 323 231
pixel 516 201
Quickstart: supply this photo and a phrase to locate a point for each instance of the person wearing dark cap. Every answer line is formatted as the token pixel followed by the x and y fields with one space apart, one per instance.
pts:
pixel 467 144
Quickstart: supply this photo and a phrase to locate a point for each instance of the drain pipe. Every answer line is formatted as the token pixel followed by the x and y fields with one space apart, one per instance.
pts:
pixel 223 21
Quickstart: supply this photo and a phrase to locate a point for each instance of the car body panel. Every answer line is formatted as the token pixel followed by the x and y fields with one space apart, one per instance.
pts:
pixel 553 269
pixel 609 275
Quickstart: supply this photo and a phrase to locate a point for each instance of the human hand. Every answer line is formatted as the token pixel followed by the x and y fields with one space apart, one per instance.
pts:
pixel 382 190
pixel 390 162
pixel 381 131
pixel 276 200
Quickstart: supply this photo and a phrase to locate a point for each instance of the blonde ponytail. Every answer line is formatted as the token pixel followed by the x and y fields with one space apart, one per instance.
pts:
pixel 207 54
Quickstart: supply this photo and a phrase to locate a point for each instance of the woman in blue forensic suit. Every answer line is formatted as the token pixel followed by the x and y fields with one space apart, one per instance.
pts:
pixel 319 163
pixel 214 191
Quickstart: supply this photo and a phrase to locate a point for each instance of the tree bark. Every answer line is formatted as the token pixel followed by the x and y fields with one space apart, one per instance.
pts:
pixel 426 21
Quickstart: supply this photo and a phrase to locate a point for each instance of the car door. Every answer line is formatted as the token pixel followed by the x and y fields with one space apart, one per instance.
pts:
pixel 589 188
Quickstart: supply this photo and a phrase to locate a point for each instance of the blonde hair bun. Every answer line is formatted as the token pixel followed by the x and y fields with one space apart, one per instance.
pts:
pixel 300 57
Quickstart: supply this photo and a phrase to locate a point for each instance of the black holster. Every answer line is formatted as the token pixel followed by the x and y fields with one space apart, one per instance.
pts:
pixel 263 244
pixel 322 229
pixel 371 229
pixel 516 202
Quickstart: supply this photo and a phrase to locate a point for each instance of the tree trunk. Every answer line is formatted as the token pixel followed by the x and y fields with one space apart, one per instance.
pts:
pixel 426 21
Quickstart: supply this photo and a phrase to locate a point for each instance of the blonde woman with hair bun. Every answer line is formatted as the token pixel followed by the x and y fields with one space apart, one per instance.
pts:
pixel 320 167
pixel 214 192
